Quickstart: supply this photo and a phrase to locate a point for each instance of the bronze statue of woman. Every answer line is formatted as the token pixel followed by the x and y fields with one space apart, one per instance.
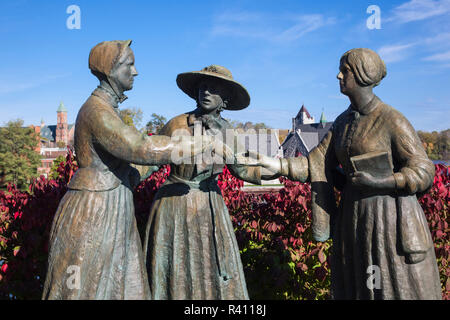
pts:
pixel 191 249
pixel 382 246
pixel 95 249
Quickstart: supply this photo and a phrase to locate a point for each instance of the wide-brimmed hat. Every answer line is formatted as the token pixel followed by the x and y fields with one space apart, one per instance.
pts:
pixel 189 81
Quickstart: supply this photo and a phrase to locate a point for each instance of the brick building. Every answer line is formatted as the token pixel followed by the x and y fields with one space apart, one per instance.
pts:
pixel 54 139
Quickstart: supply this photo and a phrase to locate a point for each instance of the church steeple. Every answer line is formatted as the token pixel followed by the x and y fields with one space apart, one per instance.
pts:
pixel 322 118
pixel 304 117
pixel 62 128
pixel 323 121
pixel 62 107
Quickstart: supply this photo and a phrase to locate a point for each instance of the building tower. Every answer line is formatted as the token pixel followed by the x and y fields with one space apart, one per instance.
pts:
pixel 305 117
pixel 323 121
pixel 62 126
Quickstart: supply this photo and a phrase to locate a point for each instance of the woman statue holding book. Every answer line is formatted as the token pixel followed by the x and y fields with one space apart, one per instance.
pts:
pixel 191 249
pixel 382 246
pixel 95 248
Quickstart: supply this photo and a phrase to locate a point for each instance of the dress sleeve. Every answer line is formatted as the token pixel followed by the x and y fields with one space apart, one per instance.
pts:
pixel 415 170
pixel 246 173
pixel 321 159
pixel 125 142
pixel 295 169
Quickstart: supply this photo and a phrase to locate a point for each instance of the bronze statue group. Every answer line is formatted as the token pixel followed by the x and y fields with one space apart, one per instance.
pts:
pixel 190 250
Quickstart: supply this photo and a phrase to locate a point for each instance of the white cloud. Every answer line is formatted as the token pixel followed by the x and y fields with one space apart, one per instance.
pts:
pixel 276 28
pixel 436 43
pixel 395 53
pixel 445 56
pixel 415 10
pixel 304 24
pixel 441 38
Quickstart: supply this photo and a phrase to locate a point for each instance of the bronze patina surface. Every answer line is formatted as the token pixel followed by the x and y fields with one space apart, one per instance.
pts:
pixel 191 249
pixel 379 223
pixel 95 249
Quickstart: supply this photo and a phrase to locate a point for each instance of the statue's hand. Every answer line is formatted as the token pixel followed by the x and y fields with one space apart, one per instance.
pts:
pixel 269 166
pixel 413 258
pixel 222 150
pixel 364 179
pixel 249 158
pixel 188 147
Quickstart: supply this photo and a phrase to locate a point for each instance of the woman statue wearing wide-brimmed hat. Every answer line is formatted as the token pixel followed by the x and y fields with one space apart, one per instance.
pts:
pixel 382 246
pixel 95 249
pixel 191 249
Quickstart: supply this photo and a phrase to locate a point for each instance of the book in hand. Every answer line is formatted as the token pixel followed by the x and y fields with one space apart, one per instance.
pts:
pixel 377 163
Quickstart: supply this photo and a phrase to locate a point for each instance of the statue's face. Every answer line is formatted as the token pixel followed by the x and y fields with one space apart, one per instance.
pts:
pixel 211 94
pixel 347 81
pixel 125 71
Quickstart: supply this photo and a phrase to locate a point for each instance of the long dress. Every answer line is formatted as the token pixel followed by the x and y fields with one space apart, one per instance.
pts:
pixel 191 249
pixel 376 235
pixel 95 251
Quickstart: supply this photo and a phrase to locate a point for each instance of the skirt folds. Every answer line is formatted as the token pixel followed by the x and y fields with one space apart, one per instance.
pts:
pixel 95 248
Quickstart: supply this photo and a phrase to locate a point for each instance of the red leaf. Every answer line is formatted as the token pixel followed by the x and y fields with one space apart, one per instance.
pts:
pixel 322 256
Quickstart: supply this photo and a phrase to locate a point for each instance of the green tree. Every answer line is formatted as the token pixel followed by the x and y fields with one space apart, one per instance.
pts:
pixel 156 123
pixel 132 117
pixel 260 125
pixel 437 144
pixel 61 144
pixel 53 171
pixel 247 125
pixel 443 145
pixel 19 159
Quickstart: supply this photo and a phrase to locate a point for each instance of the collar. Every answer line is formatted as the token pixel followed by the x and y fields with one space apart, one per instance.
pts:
pixel 109 96
pixel 368 108
pixel 208 121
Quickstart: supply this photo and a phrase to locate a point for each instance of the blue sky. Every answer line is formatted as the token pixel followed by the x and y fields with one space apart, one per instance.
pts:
pixel 284 52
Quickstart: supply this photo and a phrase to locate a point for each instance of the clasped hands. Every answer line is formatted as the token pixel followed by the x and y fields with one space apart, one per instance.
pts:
pixel 207 146
pixel 273 167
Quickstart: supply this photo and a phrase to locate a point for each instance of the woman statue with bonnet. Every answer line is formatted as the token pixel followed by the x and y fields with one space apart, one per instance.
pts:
pixel 95 251
pixel 382 247
pixel 191 249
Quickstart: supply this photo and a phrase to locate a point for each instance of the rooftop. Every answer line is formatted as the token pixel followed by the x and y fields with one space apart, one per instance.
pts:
pixel 62 107
pixel 303 109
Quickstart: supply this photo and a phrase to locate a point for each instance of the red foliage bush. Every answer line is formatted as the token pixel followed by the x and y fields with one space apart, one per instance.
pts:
pixel 281 260
pixel 436 204
pixel 25 222
pixel 144 194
